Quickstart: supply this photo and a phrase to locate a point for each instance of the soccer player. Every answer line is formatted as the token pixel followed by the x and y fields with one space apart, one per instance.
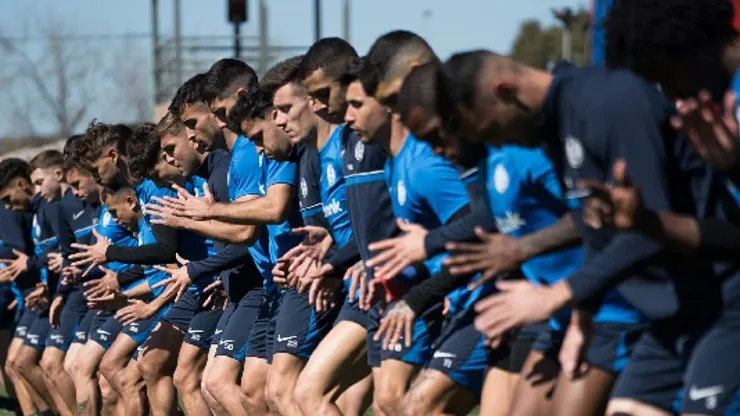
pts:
pixel 16 192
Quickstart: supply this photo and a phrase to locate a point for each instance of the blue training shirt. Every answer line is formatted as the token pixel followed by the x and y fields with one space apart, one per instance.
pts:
pixel 332 189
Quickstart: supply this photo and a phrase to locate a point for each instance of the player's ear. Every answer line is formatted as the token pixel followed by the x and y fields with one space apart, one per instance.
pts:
pixel 113 154
pixel 59 175
pixel 240 92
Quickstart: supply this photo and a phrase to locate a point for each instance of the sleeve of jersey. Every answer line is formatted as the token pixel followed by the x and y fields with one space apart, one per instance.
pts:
pixel 245 174
pixel 438 183
pixel 344 257
pixel 161 252
pixel 635 136
pixel 433 290
pixel 282 172
pixel 459 230
pixel 230 256
pixel 130 275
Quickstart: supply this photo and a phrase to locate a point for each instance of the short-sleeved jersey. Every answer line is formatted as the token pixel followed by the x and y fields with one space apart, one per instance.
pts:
pixel 244 180
pixel 45 217
pixel 425 189
pixel 332 188
pixel 309 195
pixel 115 234
pixel 193 246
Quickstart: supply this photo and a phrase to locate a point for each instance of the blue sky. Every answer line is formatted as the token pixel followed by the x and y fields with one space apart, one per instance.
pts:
pixel 452 24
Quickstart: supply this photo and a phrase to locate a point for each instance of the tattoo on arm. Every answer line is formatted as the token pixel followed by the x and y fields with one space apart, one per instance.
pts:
pixel 563 233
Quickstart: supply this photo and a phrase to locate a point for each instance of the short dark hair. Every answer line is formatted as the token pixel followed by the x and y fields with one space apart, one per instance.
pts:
pixel 419 90
pixel 117 191
pixel 255 104
pixel 144 151
pixel 333 55
pixel 98 137
pixel 392 53
pixel 360 70
pixel 643 34
pixel 282 73
pixel 171 125
pixel 226 77
pixel 13 168
pixel 47 159
pixel 70 153
pixel 189 93
pixel 457 82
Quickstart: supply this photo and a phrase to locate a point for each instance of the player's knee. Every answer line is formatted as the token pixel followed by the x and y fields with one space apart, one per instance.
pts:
pixel 106 367
pixel 24 363
pixel 416 403
pixel 388 399
pixel 51 366
pixel 186 379
pixel 69 366
pixel 149 366
pixel 623 407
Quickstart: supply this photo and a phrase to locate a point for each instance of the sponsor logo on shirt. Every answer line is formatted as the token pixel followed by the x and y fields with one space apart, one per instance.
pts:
pixel 332 208
pixel 401 192
pixel 511 222
pixel 331 176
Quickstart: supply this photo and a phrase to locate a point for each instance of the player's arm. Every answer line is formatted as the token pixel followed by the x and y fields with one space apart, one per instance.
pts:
pixel 161 252
pixel 344 257
pixel 461 228
pixel 273 208
pixel 139 291
pixel 230 256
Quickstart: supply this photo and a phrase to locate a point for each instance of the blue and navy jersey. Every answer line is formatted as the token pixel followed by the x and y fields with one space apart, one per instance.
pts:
pixel 45 218
pixel 425 189
pixel 193 246
pixel 332 188
pixel 281 237
pixel 244 180
pixel 628 119
pixel 116 234
pixel 152 276
pixel 15 233
pixel 75 221
pixel 309 195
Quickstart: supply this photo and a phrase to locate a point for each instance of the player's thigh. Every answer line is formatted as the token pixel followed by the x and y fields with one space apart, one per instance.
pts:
pixel 395 376
pixel 160 350
pixel 534 391
pixel 192 358
pixel 434 392
pixel 118 355
pixel 254 376
pixel 341 347
pixel 88 359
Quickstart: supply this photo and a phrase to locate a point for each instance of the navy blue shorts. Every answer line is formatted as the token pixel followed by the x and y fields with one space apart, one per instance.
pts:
pixel 223 321
pixel 298 327
pixel 235 340
pixel 351 312
pixel 202 328
pixel 38 332
pixel 373 323
pixel 73 314
pixel 462 354
pixel 139 331
pixel 263 330
pixel 24 323
pixel 695 373
pixel 104 333
pixel 197 322
pixel 427 328
pixel 84 329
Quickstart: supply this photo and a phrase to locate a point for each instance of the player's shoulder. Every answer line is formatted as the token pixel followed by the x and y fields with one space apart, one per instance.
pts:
pixel 619 91
pixel 243 153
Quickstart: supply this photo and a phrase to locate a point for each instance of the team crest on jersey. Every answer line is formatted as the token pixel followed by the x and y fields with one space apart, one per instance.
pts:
pixel 500 179
pixel 106 219
pixel 401 190
pixel 574 152
pixel 331 176
pixel 304 188
pixel 360 151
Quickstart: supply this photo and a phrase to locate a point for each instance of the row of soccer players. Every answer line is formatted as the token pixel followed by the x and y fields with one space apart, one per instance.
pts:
pixel 662 328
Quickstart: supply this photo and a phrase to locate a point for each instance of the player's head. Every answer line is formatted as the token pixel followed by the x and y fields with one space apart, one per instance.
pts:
pixel 16 189
pixel 180 150
pixel 254 116
pixel 393 56
pixel 47 174
pixel 483 96
pixel 102 151
pixel 225 82
pixel 123 206
pixel 191 106
pixel 417 109
pixel 679 43
pixel 319 69
pixel 293 112
pixel 147 159
pixel 79 179
pixel 364 115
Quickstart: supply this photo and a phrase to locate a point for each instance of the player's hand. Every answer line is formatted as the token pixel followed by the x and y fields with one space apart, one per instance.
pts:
pixel 12 305
pixel 100 287
pixel 216 296
pixel 38 298
pixel 322 294
pixel 71 275
pixel 314 272
pixel 577 337
pixel 55 262
pixel 357 275
pixel 55 311
pixel 136 310
pixel 90 254
pixel 297 270
pixel 619 205
pixel 162 214
pixel 280 273
pixel 712 130
pixel 397 323
pixel 494 254
pixel 518 303
pixel 111 301
pixel 14 267
pixel 395 254
pixel 179 279
pixel 316 243
pixel 190 206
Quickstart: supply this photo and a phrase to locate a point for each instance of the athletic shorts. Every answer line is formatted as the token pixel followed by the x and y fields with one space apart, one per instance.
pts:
pixel 84 329
pixel 105 329
pixel 610 347
pixel 24 323
pixel 197 322
pixel 427 329
pixel 7 317
pixel 139 331
pixel 73 316
pixel 461 353
pixel 689 372
pixel 263 330
pixel 351 312
pixel 298 327
pixel 38 331
pixel 223 321
pixel 374 347
pixel 234 341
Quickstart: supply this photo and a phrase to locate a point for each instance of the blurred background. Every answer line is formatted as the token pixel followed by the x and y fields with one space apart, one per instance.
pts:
pixel 64 63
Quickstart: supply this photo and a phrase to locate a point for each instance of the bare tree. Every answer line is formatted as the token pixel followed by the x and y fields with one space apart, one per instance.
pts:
pixel 58 84
pixel 130 76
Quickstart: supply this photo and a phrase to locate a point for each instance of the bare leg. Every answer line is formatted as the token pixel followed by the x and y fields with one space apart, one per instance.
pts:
pixel 281 382
pixel 190 365
pixel 59 383
pixel 134 390
pixel 534 393
pixel 85 378
pixel 435 393
pixel 19 384
pixel 29 369
pixel 223 383
pixel 254 380
pixel 157 365
pixel 393 381
pixel 110 398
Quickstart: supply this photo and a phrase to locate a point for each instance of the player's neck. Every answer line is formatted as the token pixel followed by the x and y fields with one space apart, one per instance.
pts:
pixel 398 136
pixel 534 87
pixel 63 189
pixel 324 130
pixel 230 138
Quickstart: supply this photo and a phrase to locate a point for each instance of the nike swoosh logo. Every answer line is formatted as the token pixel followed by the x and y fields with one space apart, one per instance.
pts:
pixel 440 354
pixel 194 331
pixel 698 394
pixel 78 215
pixel 280 339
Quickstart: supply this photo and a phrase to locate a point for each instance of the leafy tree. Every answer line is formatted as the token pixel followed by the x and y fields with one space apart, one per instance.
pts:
pixel 541 47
